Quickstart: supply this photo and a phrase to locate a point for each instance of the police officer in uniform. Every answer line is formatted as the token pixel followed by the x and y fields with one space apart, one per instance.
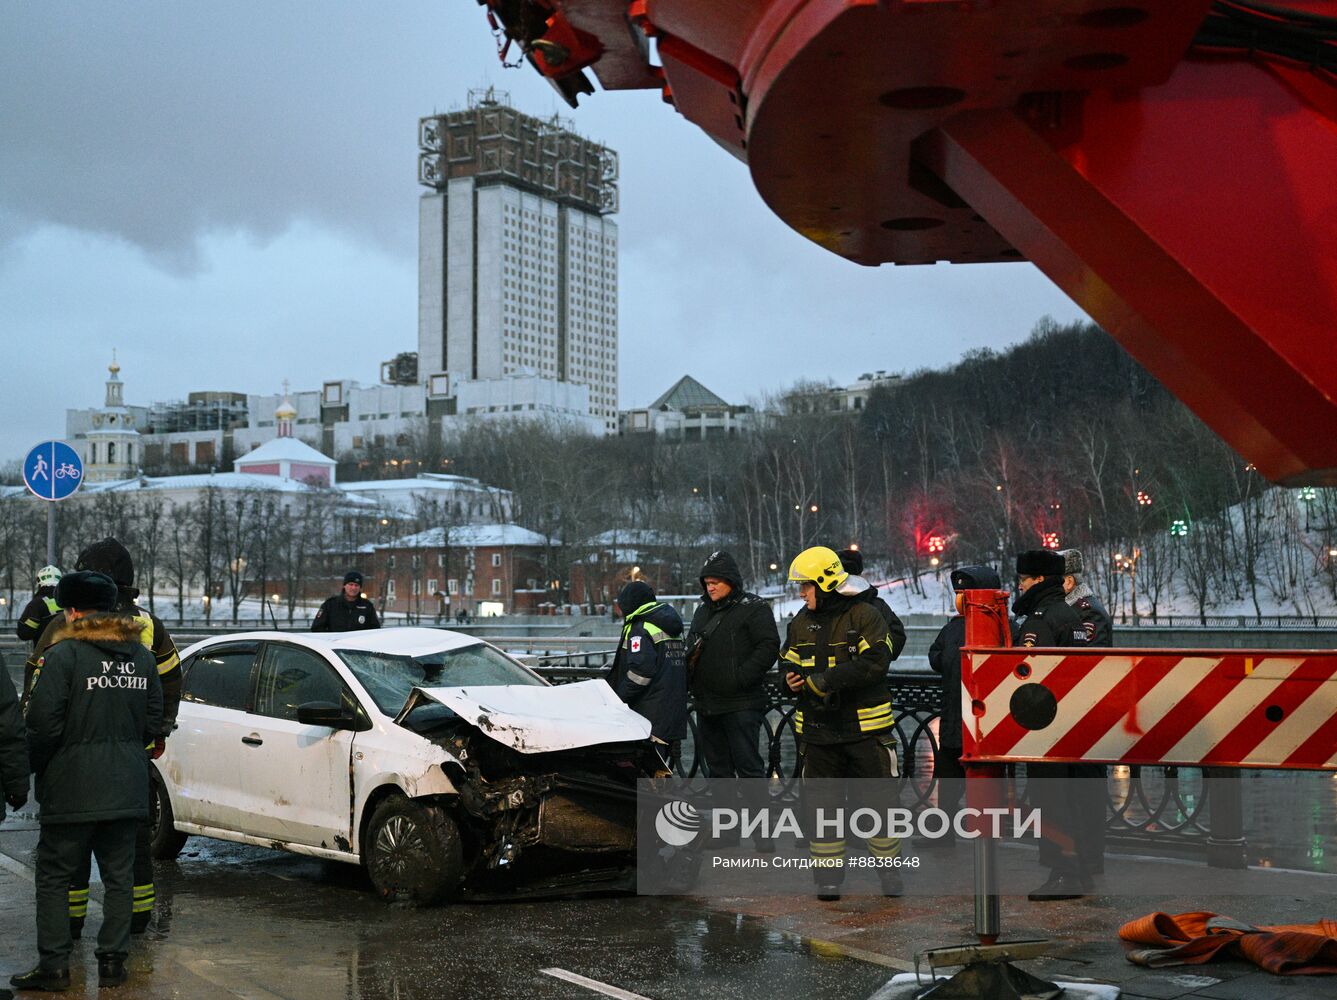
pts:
pixel 852 560
pixel 95 704
pixel 1091 785
pixel 349 611
pixel 1047 620
pixel 38 612
pixel 836 653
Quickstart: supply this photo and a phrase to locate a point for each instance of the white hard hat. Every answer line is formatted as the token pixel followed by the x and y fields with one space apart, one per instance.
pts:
pixel 48 576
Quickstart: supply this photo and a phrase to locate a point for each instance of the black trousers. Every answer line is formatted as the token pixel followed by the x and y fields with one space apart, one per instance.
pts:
pixel 951 777
pixel 730 743
pixel 1072 803
pixel 872 757
pixel 61 849
pixel 144 898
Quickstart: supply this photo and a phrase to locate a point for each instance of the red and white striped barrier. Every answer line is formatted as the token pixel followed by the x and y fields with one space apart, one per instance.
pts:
pixel 1193 708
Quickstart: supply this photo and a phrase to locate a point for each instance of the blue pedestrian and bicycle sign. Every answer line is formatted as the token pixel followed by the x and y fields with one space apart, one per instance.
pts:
pixel 53 470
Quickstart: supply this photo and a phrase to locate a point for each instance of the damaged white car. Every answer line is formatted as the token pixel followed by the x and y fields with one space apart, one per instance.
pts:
pixel 430 757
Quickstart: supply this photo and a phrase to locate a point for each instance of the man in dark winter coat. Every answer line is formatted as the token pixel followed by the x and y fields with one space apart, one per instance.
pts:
pixel 731 646
pixel 1095 619
pixel 349 611
pixel 835 657
pixel 1091 778
pixel 944 656
pixel 113 559
pixel 852 560
pixel 14 768
pixel 95 705
pixel 37 613
pixel 1047 620
pixel 649 669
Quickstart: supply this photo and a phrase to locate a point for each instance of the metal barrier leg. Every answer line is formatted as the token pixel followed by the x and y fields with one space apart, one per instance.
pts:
pixel 1225 799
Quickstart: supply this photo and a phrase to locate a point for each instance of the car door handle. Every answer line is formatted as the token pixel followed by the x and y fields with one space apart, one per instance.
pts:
pixel 252 741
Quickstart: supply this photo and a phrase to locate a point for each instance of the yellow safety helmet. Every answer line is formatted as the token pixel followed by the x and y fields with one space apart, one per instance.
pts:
pixel 819 565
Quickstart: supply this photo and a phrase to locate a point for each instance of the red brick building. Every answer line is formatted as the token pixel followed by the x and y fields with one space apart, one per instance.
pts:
pixel 486 569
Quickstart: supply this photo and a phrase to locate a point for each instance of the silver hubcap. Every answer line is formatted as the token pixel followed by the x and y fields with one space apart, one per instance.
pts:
pixel 400 848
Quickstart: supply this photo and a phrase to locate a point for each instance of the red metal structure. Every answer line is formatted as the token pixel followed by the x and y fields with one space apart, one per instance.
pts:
pixel 1168 163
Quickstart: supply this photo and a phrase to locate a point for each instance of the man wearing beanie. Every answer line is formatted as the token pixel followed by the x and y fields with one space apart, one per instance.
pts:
pixel 1049 621
pixel 1096 620
pixel 649 668
pixel 96 702
pixel 349 611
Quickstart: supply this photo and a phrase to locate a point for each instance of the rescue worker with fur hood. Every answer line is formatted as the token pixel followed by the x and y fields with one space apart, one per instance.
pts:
pixel 96 703
pixel 112 559
pixel 836 653
pixel 649 670
pixel 37 613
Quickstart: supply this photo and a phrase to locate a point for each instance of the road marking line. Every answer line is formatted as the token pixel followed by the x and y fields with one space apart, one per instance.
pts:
pixel 593 984
pixel 871 957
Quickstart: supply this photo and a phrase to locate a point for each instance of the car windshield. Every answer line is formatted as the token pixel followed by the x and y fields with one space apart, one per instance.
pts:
pixel 390 678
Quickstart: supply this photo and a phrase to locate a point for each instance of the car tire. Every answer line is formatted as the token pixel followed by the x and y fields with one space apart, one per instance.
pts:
pixel 165 841
pixel 413 853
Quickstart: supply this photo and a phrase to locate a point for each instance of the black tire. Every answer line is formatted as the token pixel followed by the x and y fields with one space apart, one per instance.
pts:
pixel 165 840
pixel 412 852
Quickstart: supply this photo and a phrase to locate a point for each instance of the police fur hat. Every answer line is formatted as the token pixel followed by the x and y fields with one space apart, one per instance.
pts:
pixel 633 595
pixel 1039 562
pixel 111 558
pixel 87 591
pixel 975 578
pixel 852 560
pixel 1072 562
pixel 353 576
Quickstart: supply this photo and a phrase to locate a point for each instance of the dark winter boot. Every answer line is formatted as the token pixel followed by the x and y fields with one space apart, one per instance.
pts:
pixel 42 980
pixel 76 928
pixel 110 971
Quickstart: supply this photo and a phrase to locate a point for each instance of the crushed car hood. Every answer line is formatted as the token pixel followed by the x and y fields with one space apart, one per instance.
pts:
pixel 534 719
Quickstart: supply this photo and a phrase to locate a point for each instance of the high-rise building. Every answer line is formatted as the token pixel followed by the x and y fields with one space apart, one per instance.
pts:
pixel 517 260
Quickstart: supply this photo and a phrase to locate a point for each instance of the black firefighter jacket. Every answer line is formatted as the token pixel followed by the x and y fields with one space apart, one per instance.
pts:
pixel 37 614
pixel 96 706
pixel 740 650
pixel 842 651
pixel 650 671
pixel 13 747
pixel 944 656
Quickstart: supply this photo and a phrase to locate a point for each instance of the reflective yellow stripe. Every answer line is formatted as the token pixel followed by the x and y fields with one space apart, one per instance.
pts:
pixel 884 847
pixel 145 630
pixel 30 622
pixel 882 709
pixel 51 605
pixel 814 688
pixel 792 656
pixel 77 894
pixel 171 661
pixel 144 896
pixel 863 645
pixel 826 848
pixel 798 723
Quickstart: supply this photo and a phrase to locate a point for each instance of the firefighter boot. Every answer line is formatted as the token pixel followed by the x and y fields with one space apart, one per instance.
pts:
pixel 42 980
pixel 110 971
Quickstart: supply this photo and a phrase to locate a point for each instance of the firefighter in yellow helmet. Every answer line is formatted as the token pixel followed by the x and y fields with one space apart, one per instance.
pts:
pixel 835 659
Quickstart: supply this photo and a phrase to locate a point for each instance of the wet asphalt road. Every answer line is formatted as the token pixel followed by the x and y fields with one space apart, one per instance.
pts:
pixel 266 924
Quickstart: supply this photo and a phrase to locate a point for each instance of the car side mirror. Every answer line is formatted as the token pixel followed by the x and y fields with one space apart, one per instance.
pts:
pixel 325 713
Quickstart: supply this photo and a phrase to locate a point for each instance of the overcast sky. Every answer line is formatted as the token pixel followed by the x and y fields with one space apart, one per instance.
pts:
pixel 226 193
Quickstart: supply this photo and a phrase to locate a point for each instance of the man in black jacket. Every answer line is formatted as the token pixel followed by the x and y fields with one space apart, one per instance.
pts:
pixel 349 611
pixel 852 561
pixel 1047 620
pixel 95 705
pixel 731 646
pixel 649 670
pixel 944 656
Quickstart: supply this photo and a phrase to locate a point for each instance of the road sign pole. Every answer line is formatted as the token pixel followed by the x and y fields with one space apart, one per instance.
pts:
pixel 50 534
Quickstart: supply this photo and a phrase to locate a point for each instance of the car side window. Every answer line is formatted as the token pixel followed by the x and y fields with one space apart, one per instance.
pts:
pixel 220 677
pixel 290 677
